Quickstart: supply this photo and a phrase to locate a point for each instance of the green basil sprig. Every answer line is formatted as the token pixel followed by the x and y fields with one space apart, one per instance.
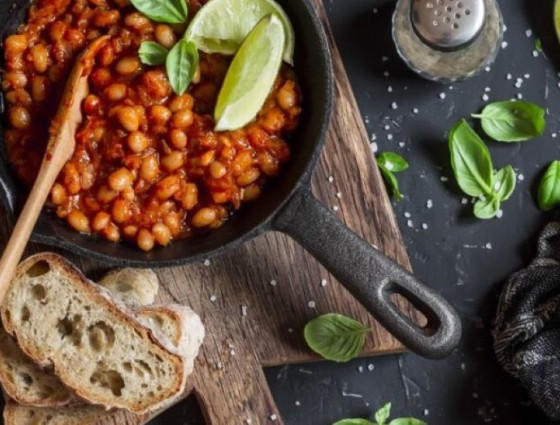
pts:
pixel 181 64
pixel 390 163
pixel 336 337
pixel 381 417
pixel 474 172
pixel 170 11
pixel 549 187
pixel 512 120
pixel 152 53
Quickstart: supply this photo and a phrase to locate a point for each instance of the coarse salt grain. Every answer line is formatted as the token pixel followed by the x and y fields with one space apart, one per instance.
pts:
pixel 390 89
pixel 526 76
pixel 415 110
pixel 554 135
pixel 425 226
pixel 373 137
pixel 394 105
pixel 464 201
pixel 407 215
pixel 360 369
pixel 535 54
pixel 311 304
pixel 387 127
pixel 330 179
pixel 520 177
pixel 335 208
pixel 386 74
pixel 487 89
pixel 528 33
pixel 384 59
pixel 389 136
pixel 371 367
pixel 297 403
pixel 509 77
pixel 374 147
pixel 244 310
pixel 504 44
pixel 402 144
pixel 500 214
pixel 443 179
pixel 206 262
pixel 409 223
pixel 519 96
pixel 429 204
pixel 273 417
pixel 273 282
pixel 213 298
pixel 324 282
pixel 442 95
pixel 426 412
pixel 339 195
pixel 485 97
pixel 488 245
pixel 487 69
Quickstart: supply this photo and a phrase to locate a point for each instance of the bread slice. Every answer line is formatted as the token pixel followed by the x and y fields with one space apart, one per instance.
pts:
pixel 133 287
pixel 60 318
pixel 17 414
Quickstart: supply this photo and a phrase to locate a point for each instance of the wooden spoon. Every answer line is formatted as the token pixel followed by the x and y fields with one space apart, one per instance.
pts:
pixel 59 149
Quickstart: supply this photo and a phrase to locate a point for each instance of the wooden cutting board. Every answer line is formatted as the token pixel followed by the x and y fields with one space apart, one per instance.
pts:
pixel 256 299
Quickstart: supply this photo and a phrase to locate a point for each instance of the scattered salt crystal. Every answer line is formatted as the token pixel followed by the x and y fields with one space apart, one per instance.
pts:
pixel 273 417
pixel 518 84
pixel 407 215
pixel 526 76
pixel 529 33
pixel 504 44
pixel 219 365
pixel 487 69
pixel 519 96
pixel 311 304
pixel 402 144
pixel 505 28
pixel 475 395
pixel 374 147
pixel 535 54
pixel 390 89
pixel 232 352
pixel 384 59
pixel 424 226
pixel 273 282
pixel 297 403
pixel 387 127
pixel 485 97
pixel 213 298
pixel 335 208
pixel 488 245
pixel 554 135
pixel 520 177
pixel 426 412
pixel 487 89
pixel 386 74
pixel 375 10
pixel 394 105
pixel 442 95
pixel 330 179
pixel 206 262
pixel 500 214
pixel 429 204
pixel 339 195
pixel 443 179
pixel 244 310
pixel 415 110
pixel 409 223
pixel 248 421
pixel 509 77
pixel 373 137
pixel 464 201
pixel 370 367
pixel 290 331
pixel 360 369
pixel 324 282
pixel 389 136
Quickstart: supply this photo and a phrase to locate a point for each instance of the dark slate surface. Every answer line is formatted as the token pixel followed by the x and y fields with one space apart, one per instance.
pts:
pixel 465 259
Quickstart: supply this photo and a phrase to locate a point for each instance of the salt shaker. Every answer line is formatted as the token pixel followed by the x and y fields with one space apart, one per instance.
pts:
pixel 447 40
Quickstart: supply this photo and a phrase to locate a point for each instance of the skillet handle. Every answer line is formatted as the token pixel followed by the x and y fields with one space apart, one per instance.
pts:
pixel 371 277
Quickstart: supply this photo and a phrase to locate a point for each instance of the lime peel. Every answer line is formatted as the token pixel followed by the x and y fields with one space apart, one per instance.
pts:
pixel 251 75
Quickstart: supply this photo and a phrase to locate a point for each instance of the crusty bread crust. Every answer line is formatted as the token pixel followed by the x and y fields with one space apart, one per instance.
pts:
pixel 117 313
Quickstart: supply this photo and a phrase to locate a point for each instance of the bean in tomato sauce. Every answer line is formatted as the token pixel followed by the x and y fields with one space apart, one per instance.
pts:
pixel 148 166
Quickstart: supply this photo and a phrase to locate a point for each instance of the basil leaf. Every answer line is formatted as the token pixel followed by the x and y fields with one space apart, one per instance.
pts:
pixel 383 414
pixel 152 53
pixel 512 120
pixel 549 187
pixel 181 64
pixel 170 11
pixel 486 208
pixel 504 183
pixel 335 337
pixel 393 183
pixel 407 421
pixel 354 422
pixel 392 162
pixel 470 160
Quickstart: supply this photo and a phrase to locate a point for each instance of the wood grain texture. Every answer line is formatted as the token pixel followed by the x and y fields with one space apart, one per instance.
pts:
pixel 253 323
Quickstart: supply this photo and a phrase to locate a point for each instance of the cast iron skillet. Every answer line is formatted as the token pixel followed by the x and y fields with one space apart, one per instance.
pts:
pixel 286 205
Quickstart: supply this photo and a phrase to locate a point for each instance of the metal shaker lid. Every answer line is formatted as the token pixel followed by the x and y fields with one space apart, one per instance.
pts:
pixel 448 24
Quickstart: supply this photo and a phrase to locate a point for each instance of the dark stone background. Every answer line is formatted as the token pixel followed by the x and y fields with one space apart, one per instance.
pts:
pixel 452 254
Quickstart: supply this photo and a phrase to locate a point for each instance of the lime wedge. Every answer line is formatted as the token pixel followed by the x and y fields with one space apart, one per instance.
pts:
pixel 557 18
pixel 220 26
pixel 251 75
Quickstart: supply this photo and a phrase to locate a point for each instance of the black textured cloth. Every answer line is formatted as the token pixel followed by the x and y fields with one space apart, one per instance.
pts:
pixel 527 328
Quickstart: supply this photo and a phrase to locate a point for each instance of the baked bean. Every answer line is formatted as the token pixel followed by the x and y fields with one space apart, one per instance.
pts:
pixel 167 187
pixel 39 86
pixel 19 97
pixel 173 223
pixel 128 194
pixel 100 221
pixel 149 169
pixel 121 211
pixel 183 118
pixel 137 21
pixel 57 31
pixel 248 177
pixel 206 158
pixel 189 197
pixel 78 221
pixel 220 197
pixel 14 80
pixel 112 233
pixel 15 44
pixel 128 65
pixel 100 77
pixel 268 163
pixel 106 195
pixel 217 170
pixel 159 114
pixel 98 133
pixel 145 240
pixel 251 192
pixel 106 18
pixel 178 138
pixel 120 180
pixel 286 96
pixel 273 120
pixel 115 92
pixel 58 194
pixel 92 105
pixel 130 231
pixel 184 101
pixel 203 217
pixel 241 163
pixel 172 161
pixel 161 234
pixel 71 178
pixel 128 118
pixel 137 141
pixel 40 57
pixel 165 36
pixel 19 117
pixel 156 84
